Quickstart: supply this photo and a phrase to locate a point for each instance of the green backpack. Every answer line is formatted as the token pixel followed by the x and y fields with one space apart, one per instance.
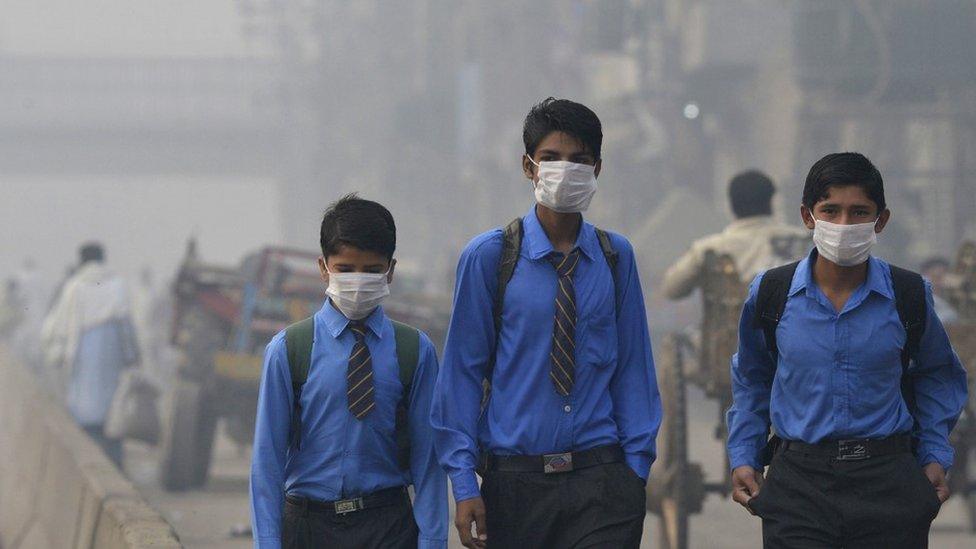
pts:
pixel 299 338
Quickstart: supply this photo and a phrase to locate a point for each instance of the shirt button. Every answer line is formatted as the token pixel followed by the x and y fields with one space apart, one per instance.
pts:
pixel 567 408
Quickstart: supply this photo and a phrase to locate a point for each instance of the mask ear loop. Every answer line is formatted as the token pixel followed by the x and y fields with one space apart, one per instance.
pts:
pixel 536 181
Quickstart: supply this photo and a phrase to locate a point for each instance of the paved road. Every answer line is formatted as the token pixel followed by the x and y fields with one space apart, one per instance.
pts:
pixel 205 518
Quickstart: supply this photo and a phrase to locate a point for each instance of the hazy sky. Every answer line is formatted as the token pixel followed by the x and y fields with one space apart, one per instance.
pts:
pixel 134 28
pixel 142 220
pixel 47 217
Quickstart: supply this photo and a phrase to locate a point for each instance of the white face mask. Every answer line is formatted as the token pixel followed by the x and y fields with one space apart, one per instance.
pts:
pixel 845 245
pixel 356 295
pixel 565 187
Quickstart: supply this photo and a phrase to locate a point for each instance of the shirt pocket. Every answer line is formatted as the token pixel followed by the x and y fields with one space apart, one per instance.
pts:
pixel 875 384
pixel 877 349
pixel 386 392
pixel 598 346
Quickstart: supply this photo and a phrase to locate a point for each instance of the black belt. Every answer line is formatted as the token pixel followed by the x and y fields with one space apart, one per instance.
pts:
pixel 852 449
pixel 380 498
pixel 553 463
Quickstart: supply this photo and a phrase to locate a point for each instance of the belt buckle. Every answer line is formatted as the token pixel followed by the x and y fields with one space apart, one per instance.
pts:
pixel 557 463
pixel 348 506
pixel 852 450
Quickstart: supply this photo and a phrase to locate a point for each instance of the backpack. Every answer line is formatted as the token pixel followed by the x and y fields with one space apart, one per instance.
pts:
pixel 298 341
pixel 909 301
pixel 511 246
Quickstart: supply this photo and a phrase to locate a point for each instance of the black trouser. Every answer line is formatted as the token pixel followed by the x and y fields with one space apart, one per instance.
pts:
pixel 387 527
pixel 817 501
pixel 599 506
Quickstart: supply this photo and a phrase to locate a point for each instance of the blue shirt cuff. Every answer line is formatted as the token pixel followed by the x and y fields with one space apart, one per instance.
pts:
pixel 744 455
pixel 267 543
pixel 640 463
pixel 931 455
pixel 429 543
pixel 464 484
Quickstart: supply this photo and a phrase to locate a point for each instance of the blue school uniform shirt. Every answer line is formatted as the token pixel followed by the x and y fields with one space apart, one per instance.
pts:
pixel 342 457
pixel 838 375
pixel 614 399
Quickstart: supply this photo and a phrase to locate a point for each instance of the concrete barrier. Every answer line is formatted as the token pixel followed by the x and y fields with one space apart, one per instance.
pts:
pixel 57 489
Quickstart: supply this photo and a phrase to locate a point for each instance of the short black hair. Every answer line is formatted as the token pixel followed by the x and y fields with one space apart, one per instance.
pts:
pixel 843 170
pixel 562 115
pixel 362 224
pixel 91 251
pixel 751 193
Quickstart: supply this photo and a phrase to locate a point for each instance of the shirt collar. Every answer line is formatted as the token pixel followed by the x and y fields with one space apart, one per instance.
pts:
pixel 336 322
pixel 878 280
pixel 538 244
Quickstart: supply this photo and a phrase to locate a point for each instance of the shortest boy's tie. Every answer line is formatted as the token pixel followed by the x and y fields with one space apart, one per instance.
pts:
pixel 359 379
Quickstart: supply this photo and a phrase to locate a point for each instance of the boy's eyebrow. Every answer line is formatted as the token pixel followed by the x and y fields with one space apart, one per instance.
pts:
pixel 827 203
pixel 552 152
pixel 370 266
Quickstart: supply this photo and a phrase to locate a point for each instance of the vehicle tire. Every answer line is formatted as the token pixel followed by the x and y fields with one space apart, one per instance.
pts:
pixel 200 336
pixel 187 436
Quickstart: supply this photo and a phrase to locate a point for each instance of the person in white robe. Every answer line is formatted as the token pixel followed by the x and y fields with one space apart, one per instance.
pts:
pixel 88 340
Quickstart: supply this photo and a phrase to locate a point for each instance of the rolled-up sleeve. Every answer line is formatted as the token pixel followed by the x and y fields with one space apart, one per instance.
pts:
pixel 429 481
pixel 633 388
pixel 684 276
pixel 470 343
pixel 271 446
pixel 940 390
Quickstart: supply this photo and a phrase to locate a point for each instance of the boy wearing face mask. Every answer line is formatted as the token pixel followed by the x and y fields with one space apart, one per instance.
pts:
pixel 862 401
pixel 343 413
pixel 565 437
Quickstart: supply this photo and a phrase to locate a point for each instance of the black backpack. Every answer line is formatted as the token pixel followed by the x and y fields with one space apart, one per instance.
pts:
pixel 909 301
pixel 511 246
pixel 298 342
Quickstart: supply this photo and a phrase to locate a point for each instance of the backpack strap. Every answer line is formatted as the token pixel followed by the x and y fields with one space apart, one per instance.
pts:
pixel 910 301
pixel 609 253
pixel 407 340
pixel 912 309
pixel 511 248
pixel 612 258
pixel 774 290
pixel 299 338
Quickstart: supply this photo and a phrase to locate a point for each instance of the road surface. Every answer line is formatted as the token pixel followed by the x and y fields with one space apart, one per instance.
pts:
pixel 205 518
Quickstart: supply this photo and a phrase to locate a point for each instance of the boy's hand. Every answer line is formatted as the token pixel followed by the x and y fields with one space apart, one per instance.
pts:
pixel 746 483
pixel 468 511
pixel 937 476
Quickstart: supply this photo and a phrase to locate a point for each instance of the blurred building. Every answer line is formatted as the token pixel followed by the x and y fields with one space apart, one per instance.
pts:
pixel 896 80
pixel 419 103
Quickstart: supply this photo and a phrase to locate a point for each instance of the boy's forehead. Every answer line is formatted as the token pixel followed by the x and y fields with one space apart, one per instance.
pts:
pixel 846 194
pixel 563 143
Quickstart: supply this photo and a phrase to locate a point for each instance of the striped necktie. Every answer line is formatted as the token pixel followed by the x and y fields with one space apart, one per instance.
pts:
pixel 359 379
pixel 563 355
